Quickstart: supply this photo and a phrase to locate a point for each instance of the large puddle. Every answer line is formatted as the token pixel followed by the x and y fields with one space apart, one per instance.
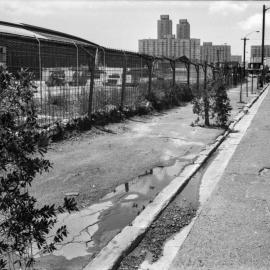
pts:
pixel 93 227
pixel 192 196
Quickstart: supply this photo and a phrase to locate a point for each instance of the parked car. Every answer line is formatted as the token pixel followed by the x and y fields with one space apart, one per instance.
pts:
pixel 80 78
pixel 56 78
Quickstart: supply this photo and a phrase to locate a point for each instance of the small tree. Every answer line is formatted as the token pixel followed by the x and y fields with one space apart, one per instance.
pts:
pixel 213 101
pixel 221 108
pixel 23 226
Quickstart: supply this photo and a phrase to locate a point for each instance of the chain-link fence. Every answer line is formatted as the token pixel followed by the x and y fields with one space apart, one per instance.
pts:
pixel 74 78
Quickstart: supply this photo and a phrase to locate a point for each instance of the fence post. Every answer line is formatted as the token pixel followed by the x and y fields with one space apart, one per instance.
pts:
pixel 246 86
pixel 123 82
pixel 205 97
pixel 150 69
pixel 197 67
pixel 188 73
pixel 214 74
pixel 172 62
pixel 205 75
pixel 241 89
pixel 92 61
pixel 252 83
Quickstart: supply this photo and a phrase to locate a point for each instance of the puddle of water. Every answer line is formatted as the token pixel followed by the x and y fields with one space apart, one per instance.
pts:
pixel 181 142
pixel 82 226
pixel 93 227
pixel 188 197
pixel 131 197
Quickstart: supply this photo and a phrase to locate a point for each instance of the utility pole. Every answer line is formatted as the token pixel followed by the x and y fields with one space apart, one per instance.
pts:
pixel 244 66
pixel 263 33
pixel 262 52
pixel 244 56
pixel 244 53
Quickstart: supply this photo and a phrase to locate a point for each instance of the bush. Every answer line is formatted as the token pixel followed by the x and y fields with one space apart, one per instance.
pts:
pixel 164 95
pixel 212 103
pixel 23 225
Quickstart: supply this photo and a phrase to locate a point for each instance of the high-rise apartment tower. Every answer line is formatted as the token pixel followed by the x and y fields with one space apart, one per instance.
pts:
pixel 164 27
pixel 183 29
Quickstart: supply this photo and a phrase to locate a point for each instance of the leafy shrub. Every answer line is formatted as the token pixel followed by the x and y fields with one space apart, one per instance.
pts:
pixel 164 95
pixel 221 105
pixel 23 225
pixel 212 103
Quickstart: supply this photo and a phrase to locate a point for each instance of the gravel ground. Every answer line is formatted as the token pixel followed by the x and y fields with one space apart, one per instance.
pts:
pixel 170 222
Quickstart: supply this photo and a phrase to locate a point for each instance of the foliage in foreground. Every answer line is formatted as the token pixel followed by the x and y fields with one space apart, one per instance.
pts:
pixel 213 104
pixel 24 228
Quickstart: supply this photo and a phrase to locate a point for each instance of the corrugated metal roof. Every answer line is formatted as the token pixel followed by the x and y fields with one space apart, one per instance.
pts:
pixel 56 35
pixel 31 31
pixel 60 38
pixel 19 31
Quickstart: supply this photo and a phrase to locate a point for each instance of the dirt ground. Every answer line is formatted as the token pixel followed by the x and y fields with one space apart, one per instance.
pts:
pixel 95 162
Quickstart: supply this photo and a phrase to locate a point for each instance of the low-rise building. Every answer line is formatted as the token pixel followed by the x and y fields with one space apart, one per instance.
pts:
pixel 236 58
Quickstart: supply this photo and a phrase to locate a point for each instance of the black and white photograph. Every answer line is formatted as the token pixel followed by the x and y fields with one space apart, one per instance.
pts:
pixel 134 135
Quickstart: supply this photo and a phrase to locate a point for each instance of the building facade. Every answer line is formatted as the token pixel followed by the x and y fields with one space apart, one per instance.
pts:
pixel 164 26
pixel 183 29
pixel 215 53
pixel 206 52
pixel 195 52
pixel 171 47
pixel 167 45
pixel 256 53
pixel 236 58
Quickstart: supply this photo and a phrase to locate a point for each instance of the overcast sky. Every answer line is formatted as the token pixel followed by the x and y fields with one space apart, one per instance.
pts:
pixel 120 24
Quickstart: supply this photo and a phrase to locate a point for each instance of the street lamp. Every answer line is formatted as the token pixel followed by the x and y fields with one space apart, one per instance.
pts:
pixel 244 62
pixel 245 40
pixel 263 31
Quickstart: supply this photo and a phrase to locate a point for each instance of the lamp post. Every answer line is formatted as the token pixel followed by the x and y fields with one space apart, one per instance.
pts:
pixel 244 61
pixel 262 53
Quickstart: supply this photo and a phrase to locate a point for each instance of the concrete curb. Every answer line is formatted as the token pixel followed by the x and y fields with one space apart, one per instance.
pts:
pixel 110 256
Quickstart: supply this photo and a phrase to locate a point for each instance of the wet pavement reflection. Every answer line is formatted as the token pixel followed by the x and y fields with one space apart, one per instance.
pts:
pixel 93 227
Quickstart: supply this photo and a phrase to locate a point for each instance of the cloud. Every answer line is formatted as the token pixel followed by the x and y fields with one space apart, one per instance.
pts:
pixel 254 22
pixel 17 9
pixel 226 8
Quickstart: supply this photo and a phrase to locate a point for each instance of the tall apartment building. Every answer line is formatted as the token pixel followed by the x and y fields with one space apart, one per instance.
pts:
pixel 222 52
pixel 183 29
pixel 256 53
pixel 215 53
pixel 169 46
pixel 206 52
pixel 148 46
pixel 164 27
pixel 195 49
